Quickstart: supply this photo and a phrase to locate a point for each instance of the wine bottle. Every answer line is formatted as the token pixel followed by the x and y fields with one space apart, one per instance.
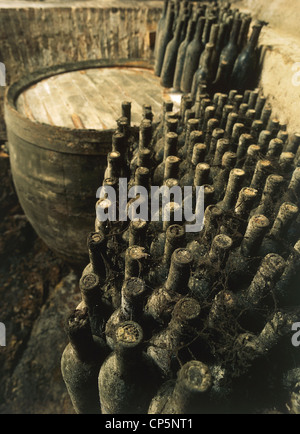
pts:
pixel 267 275
pixel 187 395
pixel 245 66
pixel 133 293
pixel 180 331
pixel 262 170
pixel 244 260
pixel 182 50
pixel 256 129
pixel 192 57
pixel 275 240
pixel 171 126
pixel 221 148
pixel 128 378
pixel 126 111
pixel 285 290
pixel 274 149
pixel 217 134
pixel 237 130
pixel 264 140
pixel 234 184
pixel 221 178
pixel 230 51
pixel 80 363
pixel 206 279
pixel 193 138
pixel 170 148
pixel 272 191
pixel 293 144
pixel 212 124
pixel 97 300
pixel 161 302
pixel 169 63
pixel 135 261
pixel 184 138
pixel 160 26
pixel 203 73
pixel 259 106
pixel 244 30
pixel 251 159
pixel 164 38
pixel 189 169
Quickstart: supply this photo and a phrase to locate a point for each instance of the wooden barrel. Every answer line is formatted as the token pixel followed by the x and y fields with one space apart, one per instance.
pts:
pixel 58 146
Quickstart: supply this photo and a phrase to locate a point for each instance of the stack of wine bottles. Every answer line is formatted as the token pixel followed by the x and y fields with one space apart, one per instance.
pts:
pixel 177 322
pixel 199 42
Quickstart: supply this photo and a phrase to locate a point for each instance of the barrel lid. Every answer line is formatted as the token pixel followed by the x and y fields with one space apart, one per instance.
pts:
pixel 73 108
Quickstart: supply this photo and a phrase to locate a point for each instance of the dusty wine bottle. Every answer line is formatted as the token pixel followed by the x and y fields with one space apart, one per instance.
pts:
pixel 221 177
pixel 164 38
pixel 160 26
pixel 80 363
pixel 182 54
pixel 206 278
pixel 128 378
pixel 217 134
pixel 234 185
pixel 278 235
pixel 96 243
pixel 161 302
pixel 285 289
pixel 230 51
pixel 180 331
pixel 169 63
pixel 262 170
pixel 192 57
pixel 133 294
pixel 203 73
pixel 267 275
pixel 272 191
pixel 244 70
pixel 187 395
pixel 135 261
pixel 170 149
pixel 243 261
pixel 126 111
pixel 96 300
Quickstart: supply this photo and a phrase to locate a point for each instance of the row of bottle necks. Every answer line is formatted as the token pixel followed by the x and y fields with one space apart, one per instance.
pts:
pixel 196 43
pixel 173 286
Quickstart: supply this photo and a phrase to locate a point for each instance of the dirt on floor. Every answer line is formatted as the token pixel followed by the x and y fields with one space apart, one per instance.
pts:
pixel 37 292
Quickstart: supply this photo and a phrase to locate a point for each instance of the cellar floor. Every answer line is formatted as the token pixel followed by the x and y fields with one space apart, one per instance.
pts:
pixel 37 291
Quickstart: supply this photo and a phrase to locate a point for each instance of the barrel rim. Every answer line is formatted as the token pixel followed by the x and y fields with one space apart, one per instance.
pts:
pixel 69 140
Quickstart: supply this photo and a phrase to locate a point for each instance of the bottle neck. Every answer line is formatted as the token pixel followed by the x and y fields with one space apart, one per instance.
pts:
pixel 199 29
pixel 255 232
pixel 80 335
pixel 179 272
pixel 190 31
pixel 254 37
pixel 132 298
pixel 179 27
pixel 194 379
pixel 235 32
pixel 165 8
